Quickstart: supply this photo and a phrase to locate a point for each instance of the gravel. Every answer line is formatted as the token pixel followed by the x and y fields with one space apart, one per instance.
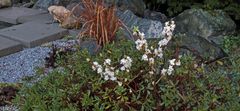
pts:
pixel 9 108
pixel 16 66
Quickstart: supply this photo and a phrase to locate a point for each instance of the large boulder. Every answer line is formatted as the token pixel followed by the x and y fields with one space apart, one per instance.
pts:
pixel 210 25
pixel 199 47
pixel 154 15
pixel 151 28
pixel 5 3
pixel 136 6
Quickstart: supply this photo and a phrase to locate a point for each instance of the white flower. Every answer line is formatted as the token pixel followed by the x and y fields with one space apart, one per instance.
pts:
pixel 163 71
pixel 170 70
pixel 142 35
pixel 122 68
pixel 168 29
pixel 94 68
pixel 151 72
pixel 140 43
pixel 123 61
pixel 110 73
pixel 147 51
pixel 88 59
pixel 172 62
pixel 95 63
pixel 178 63
pixel 106 78
pixel 99 70
pixel 167 23
pixel 130 90
pixel 119 83
pixel 113 78
pixel 163 42
pixel 158 52
pixel 151 48
pixel 107 62
pixel 135 33
pixel 129 59
pixel 151 60
pixel 126 62
pixel 145 57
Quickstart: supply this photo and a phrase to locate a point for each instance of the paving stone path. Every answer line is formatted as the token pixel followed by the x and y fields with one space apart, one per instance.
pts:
pixel 31 28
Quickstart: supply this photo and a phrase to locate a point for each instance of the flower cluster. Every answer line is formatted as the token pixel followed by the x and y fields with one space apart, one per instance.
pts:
pixel 141 43
pixel 108 72
pixel 126 63
pixel 172 63
pixel 151 54
pixel 168 29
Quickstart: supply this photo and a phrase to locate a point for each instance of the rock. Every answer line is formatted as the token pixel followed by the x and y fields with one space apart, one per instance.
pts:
pixel 65 17
pixel 44 4
pixel 209 25
pixel 136 6
pixel 76 8
pixel 28 5
pixel 5 3
pixel 153 15
pixel 200 47
pixel 90 45
pixel 151 28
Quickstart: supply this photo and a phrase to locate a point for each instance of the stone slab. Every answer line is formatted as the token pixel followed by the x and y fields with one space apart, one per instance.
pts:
pixel 10 15
pixel 41 18
pixel 74 32
pixel 33 34
pixel 8 46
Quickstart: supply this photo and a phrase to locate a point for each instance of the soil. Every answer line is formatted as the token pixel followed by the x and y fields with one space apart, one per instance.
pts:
pixel 7 93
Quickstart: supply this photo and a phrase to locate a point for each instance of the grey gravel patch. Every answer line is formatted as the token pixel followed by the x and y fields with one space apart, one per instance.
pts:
pixel 16 66
pixel 22 64
pixel 9 108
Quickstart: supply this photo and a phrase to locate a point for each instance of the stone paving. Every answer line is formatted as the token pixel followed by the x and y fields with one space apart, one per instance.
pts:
pixel 8 46
pixel 10 15
pixel 32 34
pixel 32 28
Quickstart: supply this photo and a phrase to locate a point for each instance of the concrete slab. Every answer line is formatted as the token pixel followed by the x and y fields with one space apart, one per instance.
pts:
pixel 32 34
pixel 10 15
pixel 8 46
pixel 41 18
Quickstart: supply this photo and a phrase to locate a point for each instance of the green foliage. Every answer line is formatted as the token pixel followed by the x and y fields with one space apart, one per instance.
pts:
pixel 231 43
pixel 77 87
pixel 174 7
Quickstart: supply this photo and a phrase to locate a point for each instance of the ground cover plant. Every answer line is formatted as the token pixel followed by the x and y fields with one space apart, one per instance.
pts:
pixel 140 75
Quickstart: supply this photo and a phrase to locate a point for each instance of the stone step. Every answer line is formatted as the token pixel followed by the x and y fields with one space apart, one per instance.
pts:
pixel 33 34
pixel 41 18
pixel 8 46
pixel 10 15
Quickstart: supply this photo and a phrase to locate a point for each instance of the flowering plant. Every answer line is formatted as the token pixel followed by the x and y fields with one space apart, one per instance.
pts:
pixel 150 55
